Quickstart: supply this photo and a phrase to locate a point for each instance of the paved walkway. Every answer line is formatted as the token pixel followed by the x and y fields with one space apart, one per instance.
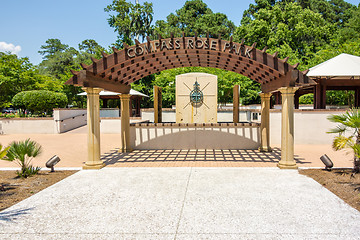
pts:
pixel 182 203
pixel 72 149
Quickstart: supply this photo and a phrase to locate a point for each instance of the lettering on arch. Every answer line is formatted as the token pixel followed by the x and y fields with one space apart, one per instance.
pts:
pixel 189 43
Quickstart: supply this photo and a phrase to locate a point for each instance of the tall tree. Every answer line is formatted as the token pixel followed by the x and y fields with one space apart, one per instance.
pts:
pixel 51 47
pixel 289 27
pixel 18 74
pixel 130 20
pixel 90 46
pixel 195 16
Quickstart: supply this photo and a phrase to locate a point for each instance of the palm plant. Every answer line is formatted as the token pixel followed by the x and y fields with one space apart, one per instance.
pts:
pixel 22 152
pixel 348 129
pixel 3 151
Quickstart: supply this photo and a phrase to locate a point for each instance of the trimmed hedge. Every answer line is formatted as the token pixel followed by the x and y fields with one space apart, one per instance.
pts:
pixel 39 100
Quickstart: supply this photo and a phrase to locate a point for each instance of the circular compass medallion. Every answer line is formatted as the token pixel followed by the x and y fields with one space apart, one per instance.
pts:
pixel 196 95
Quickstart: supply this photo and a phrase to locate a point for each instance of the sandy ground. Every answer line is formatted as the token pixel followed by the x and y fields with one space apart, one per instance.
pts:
pixel 71 147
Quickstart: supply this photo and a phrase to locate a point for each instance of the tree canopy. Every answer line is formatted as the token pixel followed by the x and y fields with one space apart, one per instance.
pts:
pixel 130 20
pixel 307 31
pixel 195 17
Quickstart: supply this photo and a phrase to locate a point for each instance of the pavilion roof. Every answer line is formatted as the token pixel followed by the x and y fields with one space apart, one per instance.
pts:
pixel 109 93
pixel 343 66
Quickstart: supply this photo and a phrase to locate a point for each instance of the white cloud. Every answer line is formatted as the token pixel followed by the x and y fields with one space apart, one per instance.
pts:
pixel 9 47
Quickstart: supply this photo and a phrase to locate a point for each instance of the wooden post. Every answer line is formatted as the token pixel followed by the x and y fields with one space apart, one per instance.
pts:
pixel 297 99
pixel 236 96
pixel 317 96
pixel 323 95
pixel 157 104
pixel 130 106
pixel 105 103
pixel 357 98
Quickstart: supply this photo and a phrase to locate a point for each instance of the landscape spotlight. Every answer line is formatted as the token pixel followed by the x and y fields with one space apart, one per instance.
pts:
pixel 327 161
pixel 52 162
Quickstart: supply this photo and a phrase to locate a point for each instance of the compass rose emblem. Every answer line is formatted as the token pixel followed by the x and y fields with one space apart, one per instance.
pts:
pixel 196 95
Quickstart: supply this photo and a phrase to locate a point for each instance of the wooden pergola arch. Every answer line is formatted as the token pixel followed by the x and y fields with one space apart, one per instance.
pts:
pixel 115 72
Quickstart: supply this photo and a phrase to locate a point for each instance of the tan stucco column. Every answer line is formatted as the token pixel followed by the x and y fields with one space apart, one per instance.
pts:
pixel 93 124
pixel 125 123
pixel 287 128
pixel 265 122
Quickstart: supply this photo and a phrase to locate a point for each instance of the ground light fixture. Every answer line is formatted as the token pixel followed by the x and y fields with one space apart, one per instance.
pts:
pixel 52 162
pixel 327 161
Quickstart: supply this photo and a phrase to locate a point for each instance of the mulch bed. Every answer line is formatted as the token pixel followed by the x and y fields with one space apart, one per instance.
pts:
pixel 17 189
pixel 340 182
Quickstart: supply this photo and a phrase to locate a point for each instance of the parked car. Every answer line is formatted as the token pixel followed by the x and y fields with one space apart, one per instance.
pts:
pixel 8 110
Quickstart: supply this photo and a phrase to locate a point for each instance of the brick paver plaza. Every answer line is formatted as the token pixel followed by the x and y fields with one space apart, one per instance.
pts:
pixel 71 147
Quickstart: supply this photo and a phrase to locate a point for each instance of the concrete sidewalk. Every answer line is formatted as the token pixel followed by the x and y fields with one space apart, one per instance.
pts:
pixel 182 203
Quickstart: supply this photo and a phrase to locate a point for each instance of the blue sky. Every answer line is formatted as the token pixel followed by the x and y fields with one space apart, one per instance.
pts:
pixel 25 25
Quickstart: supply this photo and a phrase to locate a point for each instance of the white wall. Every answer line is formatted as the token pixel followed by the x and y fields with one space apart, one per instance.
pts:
pixel 30 126
pixel 170 116
pixel 109 112
pixel 182 137
pixel 310 127
pixel 68 119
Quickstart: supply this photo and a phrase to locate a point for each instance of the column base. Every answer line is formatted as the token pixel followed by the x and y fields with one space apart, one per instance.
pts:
pixel 265 149
pixel 125 150
pixel 287 165
pixel 94 165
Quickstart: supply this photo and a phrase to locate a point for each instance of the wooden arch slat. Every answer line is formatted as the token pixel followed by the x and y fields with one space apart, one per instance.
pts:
pixel 135 62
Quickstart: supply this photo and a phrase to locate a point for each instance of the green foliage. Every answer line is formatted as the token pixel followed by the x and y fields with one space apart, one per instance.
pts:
pixel 226 80
pixel 130 20
pixel 195 16
pixel 58 64
pixel 28 172
pixel 301 31
pixel 3 151
pixel 51 47
pixel 18 100
pixel 91 47
pixel 39 100
pixel 146 86
pixel 348 124
pixel 22 153
pixel 307 99
pixel 18 74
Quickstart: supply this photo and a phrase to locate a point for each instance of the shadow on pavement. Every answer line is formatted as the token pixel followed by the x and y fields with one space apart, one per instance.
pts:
pixel 10 216
pixel 249 156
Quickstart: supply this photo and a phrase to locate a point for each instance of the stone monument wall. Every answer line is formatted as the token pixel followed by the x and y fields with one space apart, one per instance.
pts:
pixel 196 98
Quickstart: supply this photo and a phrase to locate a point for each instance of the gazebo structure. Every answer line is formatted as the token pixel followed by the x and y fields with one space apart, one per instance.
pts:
pixel 135 100
pixel 339 73
pixel 117 71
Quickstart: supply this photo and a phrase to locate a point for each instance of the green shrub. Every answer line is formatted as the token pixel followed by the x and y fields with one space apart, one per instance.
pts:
pixel 18 100
pixel 39 100
pixel 307 99
pixel 22 152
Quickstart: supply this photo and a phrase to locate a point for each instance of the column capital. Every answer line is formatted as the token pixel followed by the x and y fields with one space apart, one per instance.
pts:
pixel 288 90
pixel 265 95
pixel 92 91
pixel 124 96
